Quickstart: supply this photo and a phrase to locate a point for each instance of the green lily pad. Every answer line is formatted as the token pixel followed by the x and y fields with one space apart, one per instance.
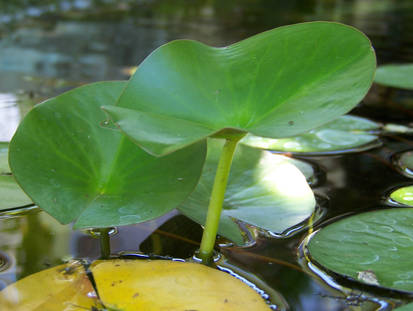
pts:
pixel 4 164
pixel 345 134
pixel 11 195
pixel 78 171
pixel 398 75
pixel 408 307
pixel 403 195
pixel 369 246
pixel 264 190
pixel 279 83
pixel 404 163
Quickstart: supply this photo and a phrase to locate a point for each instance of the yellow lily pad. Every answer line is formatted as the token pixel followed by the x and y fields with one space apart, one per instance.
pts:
pixel 62 288
pixel 171 286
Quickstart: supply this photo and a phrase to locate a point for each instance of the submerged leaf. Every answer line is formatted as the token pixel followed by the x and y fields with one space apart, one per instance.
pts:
pixel 62 288
pixel 403 195
pixel 279 83
pixel 379 241
pixel 78 171
pixel 345 134
pixel 397 75
pixel 170 285
pixel 264 190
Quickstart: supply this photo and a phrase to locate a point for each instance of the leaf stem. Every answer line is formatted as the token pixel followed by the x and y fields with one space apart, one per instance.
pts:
pixel 104 239
pixel 217 198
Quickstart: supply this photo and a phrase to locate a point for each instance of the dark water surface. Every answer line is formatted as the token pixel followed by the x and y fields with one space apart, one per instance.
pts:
pixel 53 46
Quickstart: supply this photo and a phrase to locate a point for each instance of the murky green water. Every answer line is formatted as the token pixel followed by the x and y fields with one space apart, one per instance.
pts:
pixel 56 45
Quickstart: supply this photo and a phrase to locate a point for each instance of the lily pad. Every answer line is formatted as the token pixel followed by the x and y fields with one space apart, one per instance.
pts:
pixel 396 75
pixel 65 287
pixel 78 171
pixel 4 165
pixel 170 285
pixel 408 307
pixel 404 163
pixel 11 195
pixel 378 243
pixel 345 134
pixel 403 195
pixel 264 190
pixel 279 83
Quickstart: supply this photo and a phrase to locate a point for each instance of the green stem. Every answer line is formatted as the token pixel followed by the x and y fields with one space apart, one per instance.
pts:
pixel 217 199
pixel 104 239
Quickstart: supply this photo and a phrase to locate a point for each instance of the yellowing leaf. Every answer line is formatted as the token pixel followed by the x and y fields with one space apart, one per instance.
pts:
pixel 62 288
pixel 171 286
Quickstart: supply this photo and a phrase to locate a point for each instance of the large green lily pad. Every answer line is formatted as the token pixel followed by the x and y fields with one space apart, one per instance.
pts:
pixel 264 190
pixel 403 195
pixel 78 171
pixel 279 83
pixel 396 75
pixel 345 134
pixel 373 247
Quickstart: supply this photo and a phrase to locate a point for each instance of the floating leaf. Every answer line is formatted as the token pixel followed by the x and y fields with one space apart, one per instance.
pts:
pixel 170 285
pixel 380 242
pixel 408 307
pixel 403 195
pixel 64 287
pixel 11 195
pixel 345 134
pixel 404 162
pixel 4 165
pixel 264 190
pixel 279 83
pixel 398 75
pixel 78 171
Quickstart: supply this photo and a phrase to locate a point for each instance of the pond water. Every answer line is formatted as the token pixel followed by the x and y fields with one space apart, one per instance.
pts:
pixel 57 45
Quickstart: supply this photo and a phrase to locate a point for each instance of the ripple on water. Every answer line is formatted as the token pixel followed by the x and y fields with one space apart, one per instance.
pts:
pixel 5 262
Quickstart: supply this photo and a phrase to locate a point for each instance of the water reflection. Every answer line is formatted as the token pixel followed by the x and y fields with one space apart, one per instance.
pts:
pixel 52 46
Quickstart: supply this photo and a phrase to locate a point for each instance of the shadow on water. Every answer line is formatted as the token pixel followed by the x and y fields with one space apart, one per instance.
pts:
pixel 53 46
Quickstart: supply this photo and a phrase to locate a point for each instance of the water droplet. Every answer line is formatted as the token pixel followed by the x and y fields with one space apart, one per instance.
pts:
pixel 369 261
pixel 387 228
